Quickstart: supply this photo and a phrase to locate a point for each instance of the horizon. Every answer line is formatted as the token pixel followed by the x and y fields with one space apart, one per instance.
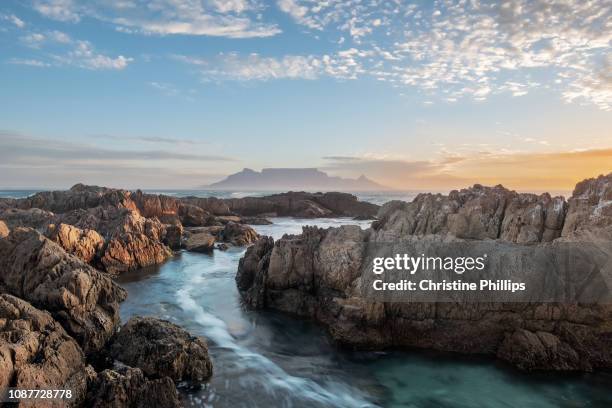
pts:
pixel 428 96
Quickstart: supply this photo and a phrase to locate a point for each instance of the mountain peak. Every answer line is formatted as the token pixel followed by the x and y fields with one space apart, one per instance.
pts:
pixel 285 179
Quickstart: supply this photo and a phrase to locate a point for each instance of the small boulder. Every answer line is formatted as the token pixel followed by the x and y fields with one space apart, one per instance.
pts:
pixel 238 234
pixel 160 348
pixel 199 242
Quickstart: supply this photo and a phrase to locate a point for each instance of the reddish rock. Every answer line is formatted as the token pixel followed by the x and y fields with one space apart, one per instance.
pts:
pixel 84 244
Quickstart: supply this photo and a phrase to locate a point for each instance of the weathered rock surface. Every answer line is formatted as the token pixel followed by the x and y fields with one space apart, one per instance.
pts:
pixel 83 300
pixel 36 352
pixel 477 213
pixel 4 229
pixel 237 234
pixel 199 242
pixel 32 217
pixel 84 244
pixel 162 349
pixel 318 274
pixel 127 387
pixel 131 240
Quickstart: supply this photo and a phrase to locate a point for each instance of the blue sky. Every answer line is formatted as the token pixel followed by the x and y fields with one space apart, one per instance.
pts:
pixel 416 95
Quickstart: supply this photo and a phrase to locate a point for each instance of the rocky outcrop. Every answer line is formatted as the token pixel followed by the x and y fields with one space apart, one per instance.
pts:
pixel 32 217
pixel 162 349
pixel 127 387
pixel 319 274
pixel 36 352
pixel 131 240
pixel 301 204
pixel 83 300
pixel 477 213
pixel 84 244
pixel 590 209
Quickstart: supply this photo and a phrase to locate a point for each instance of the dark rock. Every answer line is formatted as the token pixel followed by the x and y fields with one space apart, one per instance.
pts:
pixel 127 387
pixel 36 352
pixel 162 349
pixel 237 234
pixel 255 221
pixel 199 242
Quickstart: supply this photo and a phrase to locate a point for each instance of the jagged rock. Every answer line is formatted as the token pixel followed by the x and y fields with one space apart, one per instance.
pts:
pixel 590 209
pixel 127 387
pixel 199 242
pixel 318 274
pixel 84 244
pixel 32 217
pixel 237 234
pixel 174 235
pixel 36 352
pixel 132 241
pixel 162 349
pixel 78 197
pixel 4 229
pixel 83 300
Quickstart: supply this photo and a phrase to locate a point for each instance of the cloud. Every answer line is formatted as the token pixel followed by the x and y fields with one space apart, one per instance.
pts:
pixel 61 49
pixel 16 21
pixel 475 49
pixel 236 67
pixel 60 10
pixel 232 19
pixel 153 139
pixel 28 62
pixel 549 171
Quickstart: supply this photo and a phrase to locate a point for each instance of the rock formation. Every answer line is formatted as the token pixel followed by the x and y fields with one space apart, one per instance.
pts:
pixel 162 349
pixel 83 300
pixel 36 352
pixel 128 387
pixel 318 275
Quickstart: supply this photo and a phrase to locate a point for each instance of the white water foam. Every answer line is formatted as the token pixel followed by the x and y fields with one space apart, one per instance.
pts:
pixel 276 379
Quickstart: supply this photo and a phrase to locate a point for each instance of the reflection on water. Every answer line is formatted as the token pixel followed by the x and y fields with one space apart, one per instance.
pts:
pixel 265 359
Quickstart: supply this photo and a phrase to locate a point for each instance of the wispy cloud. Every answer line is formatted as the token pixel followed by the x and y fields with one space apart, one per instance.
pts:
pixel 60 49
pixel 232 19
pixel 13 19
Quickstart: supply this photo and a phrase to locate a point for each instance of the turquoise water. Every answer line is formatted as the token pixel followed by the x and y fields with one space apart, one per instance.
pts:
pixel 266 359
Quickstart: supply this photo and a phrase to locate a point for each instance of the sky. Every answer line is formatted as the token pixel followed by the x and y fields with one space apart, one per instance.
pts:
pixel 417 95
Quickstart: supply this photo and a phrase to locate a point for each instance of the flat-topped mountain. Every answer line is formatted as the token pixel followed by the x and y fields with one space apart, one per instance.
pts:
pixel 308 179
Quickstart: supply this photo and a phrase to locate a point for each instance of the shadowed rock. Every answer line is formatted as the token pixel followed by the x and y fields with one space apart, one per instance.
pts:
pixel 160 348
pixel 318 274
pixel 36 352
pixel 127 387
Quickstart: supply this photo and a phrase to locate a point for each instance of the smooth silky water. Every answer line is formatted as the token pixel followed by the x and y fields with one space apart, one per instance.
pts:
pixel 266 359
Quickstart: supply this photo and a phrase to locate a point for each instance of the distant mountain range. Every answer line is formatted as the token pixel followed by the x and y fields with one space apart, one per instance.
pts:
pixel 285 179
